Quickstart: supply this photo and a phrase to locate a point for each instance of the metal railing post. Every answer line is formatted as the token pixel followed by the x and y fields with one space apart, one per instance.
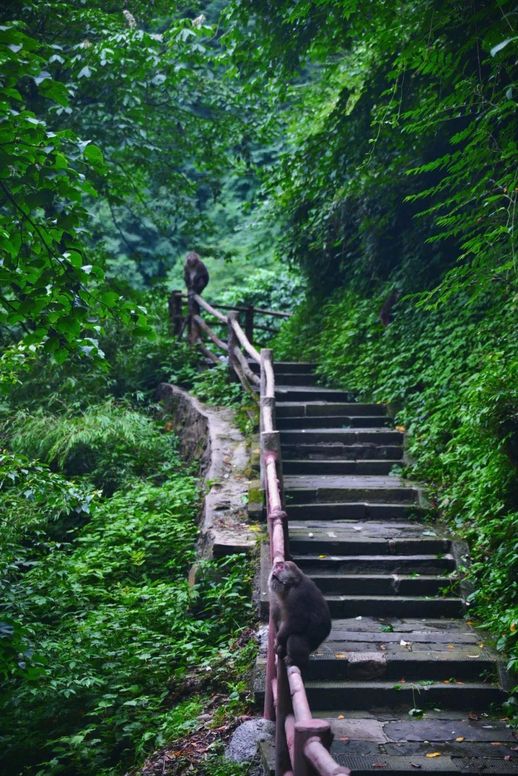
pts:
pixel 314 729
pixel 283 708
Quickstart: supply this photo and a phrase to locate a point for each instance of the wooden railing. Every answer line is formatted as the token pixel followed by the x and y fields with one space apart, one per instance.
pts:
pixel 302 743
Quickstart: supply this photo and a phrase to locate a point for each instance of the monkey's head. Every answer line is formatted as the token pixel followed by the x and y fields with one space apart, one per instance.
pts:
pixel 192 258
pixel 284 574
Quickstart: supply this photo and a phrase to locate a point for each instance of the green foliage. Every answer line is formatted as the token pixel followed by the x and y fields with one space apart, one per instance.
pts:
pixel 113 629
pixel 451 375
pixel 115 141
pixel 45 274
pixel 110 443
pixel 34 501
pixel 401 138
pixel 136 364
pixel 215 387
pixel 100 632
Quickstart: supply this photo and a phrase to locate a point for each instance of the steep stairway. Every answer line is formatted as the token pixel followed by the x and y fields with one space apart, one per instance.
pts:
pixel 408 685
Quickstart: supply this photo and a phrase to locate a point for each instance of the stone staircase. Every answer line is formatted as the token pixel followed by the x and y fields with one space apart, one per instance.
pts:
pixel 408 685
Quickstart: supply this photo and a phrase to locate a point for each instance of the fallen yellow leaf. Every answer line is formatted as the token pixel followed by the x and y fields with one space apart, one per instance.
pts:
pixel 433 754
pixel 459 739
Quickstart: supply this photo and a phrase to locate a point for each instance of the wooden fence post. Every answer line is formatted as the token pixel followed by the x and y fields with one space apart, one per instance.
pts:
pixel 232 343
pixel 194 309
pixel 249 323
pixel 175 313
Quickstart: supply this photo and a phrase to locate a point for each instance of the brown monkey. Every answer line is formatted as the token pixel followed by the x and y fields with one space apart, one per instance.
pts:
pixel 195 273
pixel 300 613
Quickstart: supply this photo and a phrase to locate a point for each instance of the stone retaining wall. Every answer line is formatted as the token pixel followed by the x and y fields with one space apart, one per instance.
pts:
pixel 210 437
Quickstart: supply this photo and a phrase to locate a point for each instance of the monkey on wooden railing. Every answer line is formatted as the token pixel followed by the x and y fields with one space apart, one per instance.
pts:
pixel 299 611
pixel 195 273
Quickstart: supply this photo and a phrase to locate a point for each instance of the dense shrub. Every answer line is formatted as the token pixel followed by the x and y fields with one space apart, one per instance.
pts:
pixel 109 442
pixel 111 626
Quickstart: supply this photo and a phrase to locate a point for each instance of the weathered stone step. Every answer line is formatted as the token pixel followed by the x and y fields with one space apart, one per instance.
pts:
pixel 291 393
pixel 330 466
pixel 363 510
pixel 348 537
pixel 303 489
pixel 382 584
pixel 386 589
pixel 393 606
pixel 397 765
pixel 279 367
pixel 364 746
pixel 375 564
pixel 388 606
pixel 318 451
pixel 447 667
pixel 344 695
pixel 316 408
pixel 377 436
pixel 333 421
pixel 305 545
pixel 429 631
pixel 299 379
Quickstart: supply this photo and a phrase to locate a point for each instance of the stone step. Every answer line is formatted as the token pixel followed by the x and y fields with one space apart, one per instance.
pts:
pixel 332 421
pixel 333 662
pixel 330 466
pixel 316 408
pixel 279 367
pixel 376 436
pixel 362 746
pixel 375 564
pixel 382 584
pixel 346 695
pixel 362 510
pixel 354 492
pixel 318 451
pixel 290 393
pixel 302 489
pixel 348 537
pixel 427 632
pixel 298 379
pixel 391 606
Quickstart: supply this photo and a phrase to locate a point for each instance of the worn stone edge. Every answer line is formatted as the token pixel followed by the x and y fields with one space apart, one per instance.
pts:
pixel 210 437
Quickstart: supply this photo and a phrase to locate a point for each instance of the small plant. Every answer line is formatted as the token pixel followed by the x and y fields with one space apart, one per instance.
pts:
pixel 215 387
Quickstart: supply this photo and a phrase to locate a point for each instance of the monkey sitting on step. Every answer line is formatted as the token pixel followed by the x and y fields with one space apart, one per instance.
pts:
pixel 300 613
